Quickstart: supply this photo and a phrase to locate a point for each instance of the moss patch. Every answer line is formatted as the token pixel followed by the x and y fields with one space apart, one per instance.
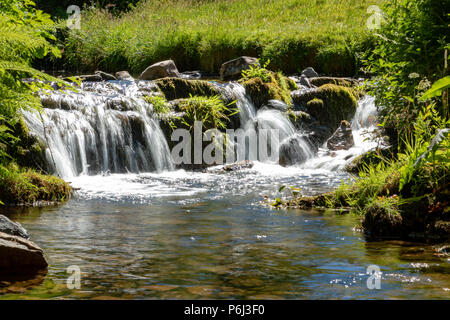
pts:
pixel 277 88
pixel 329 104
pixel 176 88
pixel 26 187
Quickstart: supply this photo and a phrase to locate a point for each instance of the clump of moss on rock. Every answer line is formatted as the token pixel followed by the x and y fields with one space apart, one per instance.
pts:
pixel 176 88
pixel 328 104
pixel 28 187
pixel 277 88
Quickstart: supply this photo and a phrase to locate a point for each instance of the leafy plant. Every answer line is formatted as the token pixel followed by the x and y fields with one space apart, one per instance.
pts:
pixel 212 111
pixel 256 71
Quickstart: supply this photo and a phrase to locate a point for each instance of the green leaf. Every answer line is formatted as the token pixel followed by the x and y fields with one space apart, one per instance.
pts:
pixel 437 88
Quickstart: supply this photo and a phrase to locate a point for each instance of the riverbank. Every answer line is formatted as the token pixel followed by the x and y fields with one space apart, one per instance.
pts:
pixel 327 35
pixel 26 187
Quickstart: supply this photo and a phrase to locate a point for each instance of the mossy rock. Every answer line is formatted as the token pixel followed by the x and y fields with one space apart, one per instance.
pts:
pixel 372 157
pixel 176 88
pixel 278 88
pixel 345 82
pixel 328 104
pixel 380 222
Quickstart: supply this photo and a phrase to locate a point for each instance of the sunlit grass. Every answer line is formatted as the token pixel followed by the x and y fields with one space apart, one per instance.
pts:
pixel 203 34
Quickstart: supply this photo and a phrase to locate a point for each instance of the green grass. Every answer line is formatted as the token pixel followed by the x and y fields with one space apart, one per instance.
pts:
pixel 293 34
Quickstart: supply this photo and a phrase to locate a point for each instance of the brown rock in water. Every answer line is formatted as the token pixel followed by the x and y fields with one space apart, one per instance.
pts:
pixel 124 75
pixel 244 164
pixel 231 70
pixel 342 139
pixel 162 69
pixel 19 255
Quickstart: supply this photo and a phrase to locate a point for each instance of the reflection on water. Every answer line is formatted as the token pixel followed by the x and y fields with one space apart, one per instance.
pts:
pixel 204 235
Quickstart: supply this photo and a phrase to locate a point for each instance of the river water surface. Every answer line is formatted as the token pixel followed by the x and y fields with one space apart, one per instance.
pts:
pixel 185 235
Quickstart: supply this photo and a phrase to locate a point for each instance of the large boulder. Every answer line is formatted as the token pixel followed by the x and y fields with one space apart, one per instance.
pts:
pixel 176 88
pixel 310 73
pixel 342 139
pixel 162 69
pixel 20 255
pixel 12 228
pixel 231 70
pixel 328 104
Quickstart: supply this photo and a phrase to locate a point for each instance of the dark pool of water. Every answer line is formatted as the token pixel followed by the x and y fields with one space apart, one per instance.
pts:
pixel 191 236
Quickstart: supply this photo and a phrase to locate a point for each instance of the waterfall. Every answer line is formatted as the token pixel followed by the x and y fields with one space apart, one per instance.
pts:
pixel 105 127
pixel 363 125
pixel 291 145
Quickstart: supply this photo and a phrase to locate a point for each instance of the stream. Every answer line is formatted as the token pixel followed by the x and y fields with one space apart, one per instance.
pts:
pixel 138 228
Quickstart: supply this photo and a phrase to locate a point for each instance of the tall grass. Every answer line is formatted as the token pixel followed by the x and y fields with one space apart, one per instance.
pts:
pixel 200 34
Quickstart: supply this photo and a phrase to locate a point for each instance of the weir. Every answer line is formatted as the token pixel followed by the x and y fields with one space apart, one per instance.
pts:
pixel 108 127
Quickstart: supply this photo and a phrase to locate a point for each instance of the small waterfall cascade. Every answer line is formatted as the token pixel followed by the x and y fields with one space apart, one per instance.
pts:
pixel 105 127
pixel 363 126
pixel 291 144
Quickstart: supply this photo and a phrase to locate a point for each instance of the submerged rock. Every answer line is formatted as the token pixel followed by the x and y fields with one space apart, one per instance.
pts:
pixel 91 77
pixel 13 228
pixel 162 69
pixel 237 166
pixel 231 70
pixel 277 105
pixel 240 165
pixel 342 139
pixel 310 73
pixel 20 255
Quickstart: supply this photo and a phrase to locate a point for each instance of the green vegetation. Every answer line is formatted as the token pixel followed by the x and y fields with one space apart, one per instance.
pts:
pixel 212 111
pixel 409 55
pixel 405 194
pixel 24 36
pixel 263 85
pixel 176 88
pixel 160 104
pixel 293 34
pixel 26 187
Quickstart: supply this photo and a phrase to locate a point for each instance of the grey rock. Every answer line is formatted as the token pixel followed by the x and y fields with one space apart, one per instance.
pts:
pixel 310 73
pixel 91 78
pixel 342 138
pixel 231 70
pixel 105 76
pixel 162 69
pixel 19 255
pixel 13 228
pixel 124 75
